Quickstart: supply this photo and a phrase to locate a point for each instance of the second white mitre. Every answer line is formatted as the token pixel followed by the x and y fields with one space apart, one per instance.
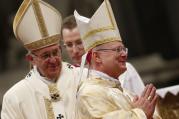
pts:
pixel 99 29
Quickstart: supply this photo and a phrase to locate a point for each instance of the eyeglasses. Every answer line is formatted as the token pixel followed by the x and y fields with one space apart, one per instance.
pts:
pixel 47 55
pixel 117 50
pixel 77 44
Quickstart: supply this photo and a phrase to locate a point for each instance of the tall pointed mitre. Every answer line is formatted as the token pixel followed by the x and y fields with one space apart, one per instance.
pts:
pixel 100 29
pixel 37 24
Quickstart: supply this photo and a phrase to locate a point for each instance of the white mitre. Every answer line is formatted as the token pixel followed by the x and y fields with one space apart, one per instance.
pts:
pixel 100 29
pixel 37 24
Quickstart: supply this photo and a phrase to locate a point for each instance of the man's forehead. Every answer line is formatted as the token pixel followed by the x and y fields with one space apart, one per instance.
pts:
pixel 71 35
pixel 67 30
pixel 114 43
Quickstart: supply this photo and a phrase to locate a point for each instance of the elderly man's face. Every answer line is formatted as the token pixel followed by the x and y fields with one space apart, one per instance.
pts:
pixel 73 44
pixel 48 61
pixel 113 58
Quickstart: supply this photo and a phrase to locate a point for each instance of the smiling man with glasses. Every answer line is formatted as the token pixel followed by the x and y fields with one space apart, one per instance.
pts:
pixel 49 89
pixel 130 79
pixel 101 96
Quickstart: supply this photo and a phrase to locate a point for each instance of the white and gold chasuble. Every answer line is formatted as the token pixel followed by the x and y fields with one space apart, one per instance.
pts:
pixel 101 97
pixel 32 98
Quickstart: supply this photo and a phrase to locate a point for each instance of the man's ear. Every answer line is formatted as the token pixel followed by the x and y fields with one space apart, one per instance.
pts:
pixel 96 57
pixel 29 58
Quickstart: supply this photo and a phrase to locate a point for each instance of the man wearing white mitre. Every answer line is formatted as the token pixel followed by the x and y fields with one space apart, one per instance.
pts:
pixel 129 80
pixel 100 96
pixel 49 89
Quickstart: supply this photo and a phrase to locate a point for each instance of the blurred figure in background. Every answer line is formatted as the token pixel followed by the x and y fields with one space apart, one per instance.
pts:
pixel 72 40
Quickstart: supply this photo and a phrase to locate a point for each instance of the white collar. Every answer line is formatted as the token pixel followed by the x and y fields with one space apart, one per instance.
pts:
pixel 98 74
pixel 44 79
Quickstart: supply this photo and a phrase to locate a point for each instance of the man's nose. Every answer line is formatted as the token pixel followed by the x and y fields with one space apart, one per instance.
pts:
pixel 124 55
pixel 52 59
pixel 75 49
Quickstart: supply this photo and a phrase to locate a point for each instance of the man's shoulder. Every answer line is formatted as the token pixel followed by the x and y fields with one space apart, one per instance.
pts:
pixel 91 86
pixel 71 68
pixel 67 65
pixel 16 90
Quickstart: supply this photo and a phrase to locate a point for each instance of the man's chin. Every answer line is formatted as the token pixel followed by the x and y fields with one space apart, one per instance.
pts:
pixel 123 69
pixel 54 75
pixel 54 68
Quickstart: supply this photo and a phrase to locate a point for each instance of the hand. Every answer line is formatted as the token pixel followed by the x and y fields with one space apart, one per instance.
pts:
pixel 147 101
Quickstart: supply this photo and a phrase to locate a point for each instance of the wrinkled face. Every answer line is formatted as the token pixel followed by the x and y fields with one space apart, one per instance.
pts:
pixel 48 61
pixel 112 58
pixel 73 44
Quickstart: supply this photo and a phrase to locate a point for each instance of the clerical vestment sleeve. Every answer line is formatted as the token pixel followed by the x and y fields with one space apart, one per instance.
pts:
pixel 10 108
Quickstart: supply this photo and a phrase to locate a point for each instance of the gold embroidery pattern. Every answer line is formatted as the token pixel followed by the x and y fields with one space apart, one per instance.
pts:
pixel 55 96
pixel 54 93
pixel 43 42
pixel 101 41
pixel 112 83
pixel 49 109
pixel 97 31
pixel 40 19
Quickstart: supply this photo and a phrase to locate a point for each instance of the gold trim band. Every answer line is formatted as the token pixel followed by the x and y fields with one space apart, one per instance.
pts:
pixel 40 19
pixel 92 32
pixel 54 92
pixel 49 109
pixel 55 39
pixel 102 41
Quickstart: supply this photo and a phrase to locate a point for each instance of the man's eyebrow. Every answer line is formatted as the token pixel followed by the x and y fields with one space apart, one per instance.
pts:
pixel 68 42
pixel 78 39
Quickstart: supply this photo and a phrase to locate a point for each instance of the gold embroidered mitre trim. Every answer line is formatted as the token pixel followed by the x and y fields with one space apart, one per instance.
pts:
pixel 101 41
pixel 43 42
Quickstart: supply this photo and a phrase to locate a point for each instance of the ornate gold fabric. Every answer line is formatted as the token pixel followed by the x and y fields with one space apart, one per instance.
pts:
pixel 92 32
pixel 54 93
pixel 43 42
pixel 40 19
pixel 169 106
pixel 49 109
pixel 104 99
pixel 98 42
